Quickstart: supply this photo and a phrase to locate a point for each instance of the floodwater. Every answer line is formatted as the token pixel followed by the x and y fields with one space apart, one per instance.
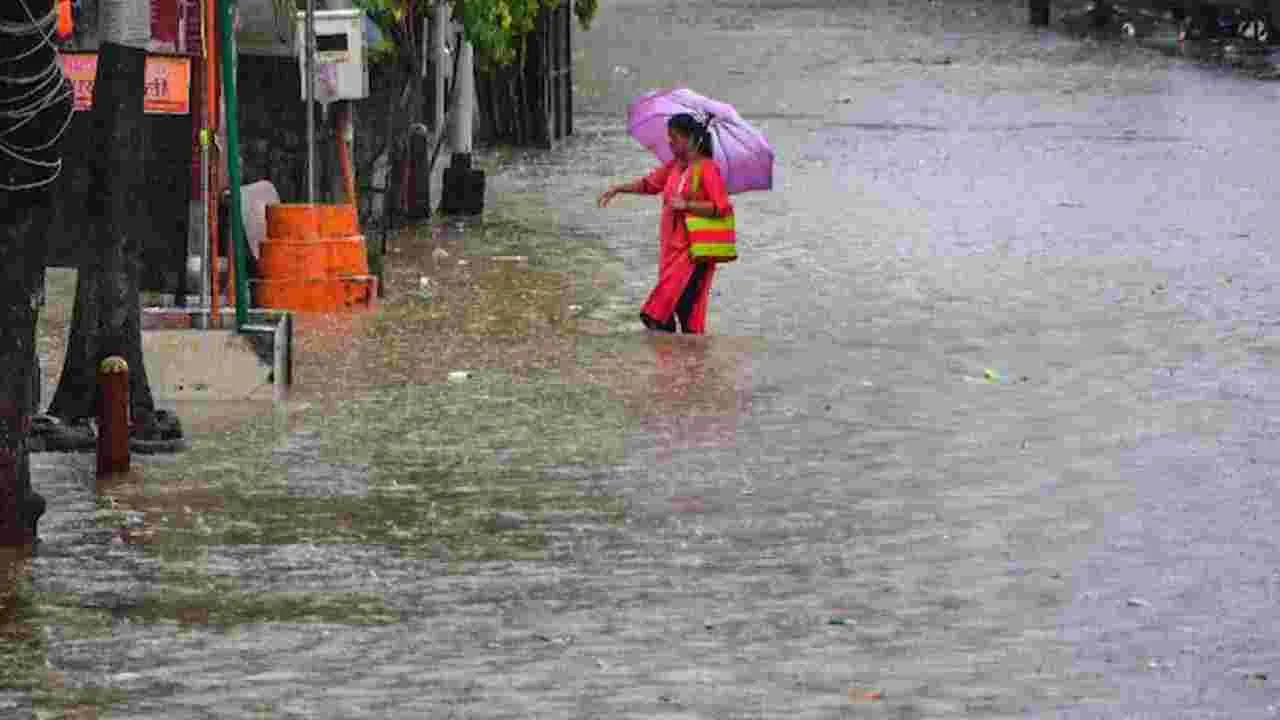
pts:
pixel 1087 530
pixel 984 427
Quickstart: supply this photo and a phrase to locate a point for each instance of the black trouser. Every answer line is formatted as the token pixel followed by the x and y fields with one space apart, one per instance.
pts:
pixel 684 306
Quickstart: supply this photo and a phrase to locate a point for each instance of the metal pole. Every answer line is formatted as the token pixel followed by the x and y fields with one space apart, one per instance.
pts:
pixel 235 221
pixel 213 113
pixel 205 236
pixel 310 74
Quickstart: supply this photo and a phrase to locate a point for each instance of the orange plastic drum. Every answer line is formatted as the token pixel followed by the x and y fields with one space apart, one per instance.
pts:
pixel 313 260
pixel 303 221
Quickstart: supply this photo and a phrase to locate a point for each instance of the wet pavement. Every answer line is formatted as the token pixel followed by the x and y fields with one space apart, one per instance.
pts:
pixel 957 193
pixel 985 427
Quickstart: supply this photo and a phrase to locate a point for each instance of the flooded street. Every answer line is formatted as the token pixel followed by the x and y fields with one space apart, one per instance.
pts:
pixel 984 426
pixel 1092 537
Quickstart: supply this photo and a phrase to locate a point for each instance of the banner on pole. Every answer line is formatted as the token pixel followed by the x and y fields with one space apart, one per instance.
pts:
pixel 167 87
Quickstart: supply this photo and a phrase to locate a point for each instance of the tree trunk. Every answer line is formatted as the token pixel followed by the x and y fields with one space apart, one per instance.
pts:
pixel 406 111
pixel 25 213
pixel 107 319
pixel 21 270
pixel 517 109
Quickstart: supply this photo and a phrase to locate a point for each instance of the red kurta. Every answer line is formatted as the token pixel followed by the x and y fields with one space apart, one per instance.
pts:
pixel 675 268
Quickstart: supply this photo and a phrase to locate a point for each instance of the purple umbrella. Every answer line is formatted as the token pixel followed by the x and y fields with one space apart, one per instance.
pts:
pixel 744 156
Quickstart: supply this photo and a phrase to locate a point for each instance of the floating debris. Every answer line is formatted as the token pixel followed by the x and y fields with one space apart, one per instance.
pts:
pixel 554 640
pixel 686 504
pixel 511 521
pixel 861 695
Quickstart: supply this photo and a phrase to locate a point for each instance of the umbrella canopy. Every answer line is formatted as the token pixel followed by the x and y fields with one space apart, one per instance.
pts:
pixel 741 151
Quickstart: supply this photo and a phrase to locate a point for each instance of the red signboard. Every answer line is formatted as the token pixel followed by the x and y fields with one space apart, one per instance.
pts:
pixel 167 88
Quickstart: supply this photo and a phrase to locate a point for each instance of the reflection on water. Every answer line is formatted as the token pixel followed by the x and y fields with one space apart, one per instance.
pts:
pixel 208 417
pixel 699 391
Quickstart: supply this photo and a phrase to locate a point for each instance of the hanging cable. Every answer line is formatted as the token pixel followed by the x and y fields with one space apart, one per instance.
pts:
pixel 29 97
pixel 44 28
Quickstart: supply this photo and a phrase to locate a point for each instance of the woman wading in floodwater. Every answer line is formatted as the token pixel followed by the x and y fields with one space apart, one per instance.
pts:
pixel 691 184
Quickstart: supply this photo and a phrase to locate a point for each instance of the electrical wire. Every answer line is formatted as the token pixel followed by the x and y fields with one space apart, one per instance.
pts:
pixel 23 99
pixel 45 27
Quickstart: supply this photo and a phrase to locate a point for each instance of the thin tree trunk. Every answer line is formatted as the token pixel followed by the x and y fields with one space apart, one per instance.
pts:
pixel 403 113
pixel 107 319
pixel 495 105
pixel 568 69
pixel 517 109
pixel 542 83
pixel 482 108
pixel 495 108
pixel 528 90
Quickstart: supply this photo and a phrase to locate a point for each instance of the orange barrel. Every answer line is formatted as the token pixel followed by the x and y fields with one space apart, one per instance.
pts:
pixel 323 257
pixel 318 294
pixel 313 259
pixel 305 221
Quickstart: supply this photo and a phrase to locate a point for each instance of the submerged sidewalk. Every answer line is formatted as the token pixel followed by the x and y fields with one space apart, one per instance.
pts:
pixel 434 521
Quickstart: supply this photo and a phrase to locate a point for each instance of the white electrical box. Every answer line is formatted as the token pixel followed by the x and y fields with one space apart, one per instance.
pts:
pixel 341 70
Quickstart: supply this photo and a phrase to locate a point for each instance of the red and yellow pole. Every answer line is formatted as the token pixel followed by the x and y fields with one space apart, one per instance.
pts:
pixel 113 416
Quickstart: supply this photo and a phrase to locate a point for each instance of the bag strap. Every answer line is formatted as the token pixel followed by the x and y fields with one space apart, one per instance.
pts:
pixel 692 178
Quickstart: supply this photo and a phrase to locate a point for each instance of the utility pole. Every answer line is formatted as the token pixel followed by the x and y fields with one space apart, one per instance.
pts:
pixel 460 132
pixel 231 104
pixel 463 191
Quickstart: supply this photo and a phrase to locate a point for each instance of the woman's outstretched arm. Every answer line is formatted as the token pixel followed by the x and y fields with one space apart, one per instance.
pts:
pixel 650 184
pixel 635 187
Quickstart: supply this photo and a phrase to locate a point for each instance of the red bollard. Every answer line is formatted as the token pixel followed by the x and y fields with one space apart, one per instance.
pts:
pixel 113 416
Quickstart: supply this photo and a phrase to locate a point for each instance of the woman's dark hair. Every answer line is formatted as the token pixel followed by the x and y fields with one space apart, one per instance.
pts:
pixel 698 135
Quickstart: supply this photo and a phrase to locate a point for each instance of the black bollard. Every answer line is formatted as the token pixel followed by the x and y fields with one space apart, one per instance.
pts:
pixel 1103 14
pixel 1039 12
pixel 463 191
pixel 419 176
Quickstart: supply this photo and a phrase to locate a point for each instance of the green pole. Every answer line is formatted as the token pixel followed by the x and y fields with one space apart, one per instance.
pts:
pixel 227 16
